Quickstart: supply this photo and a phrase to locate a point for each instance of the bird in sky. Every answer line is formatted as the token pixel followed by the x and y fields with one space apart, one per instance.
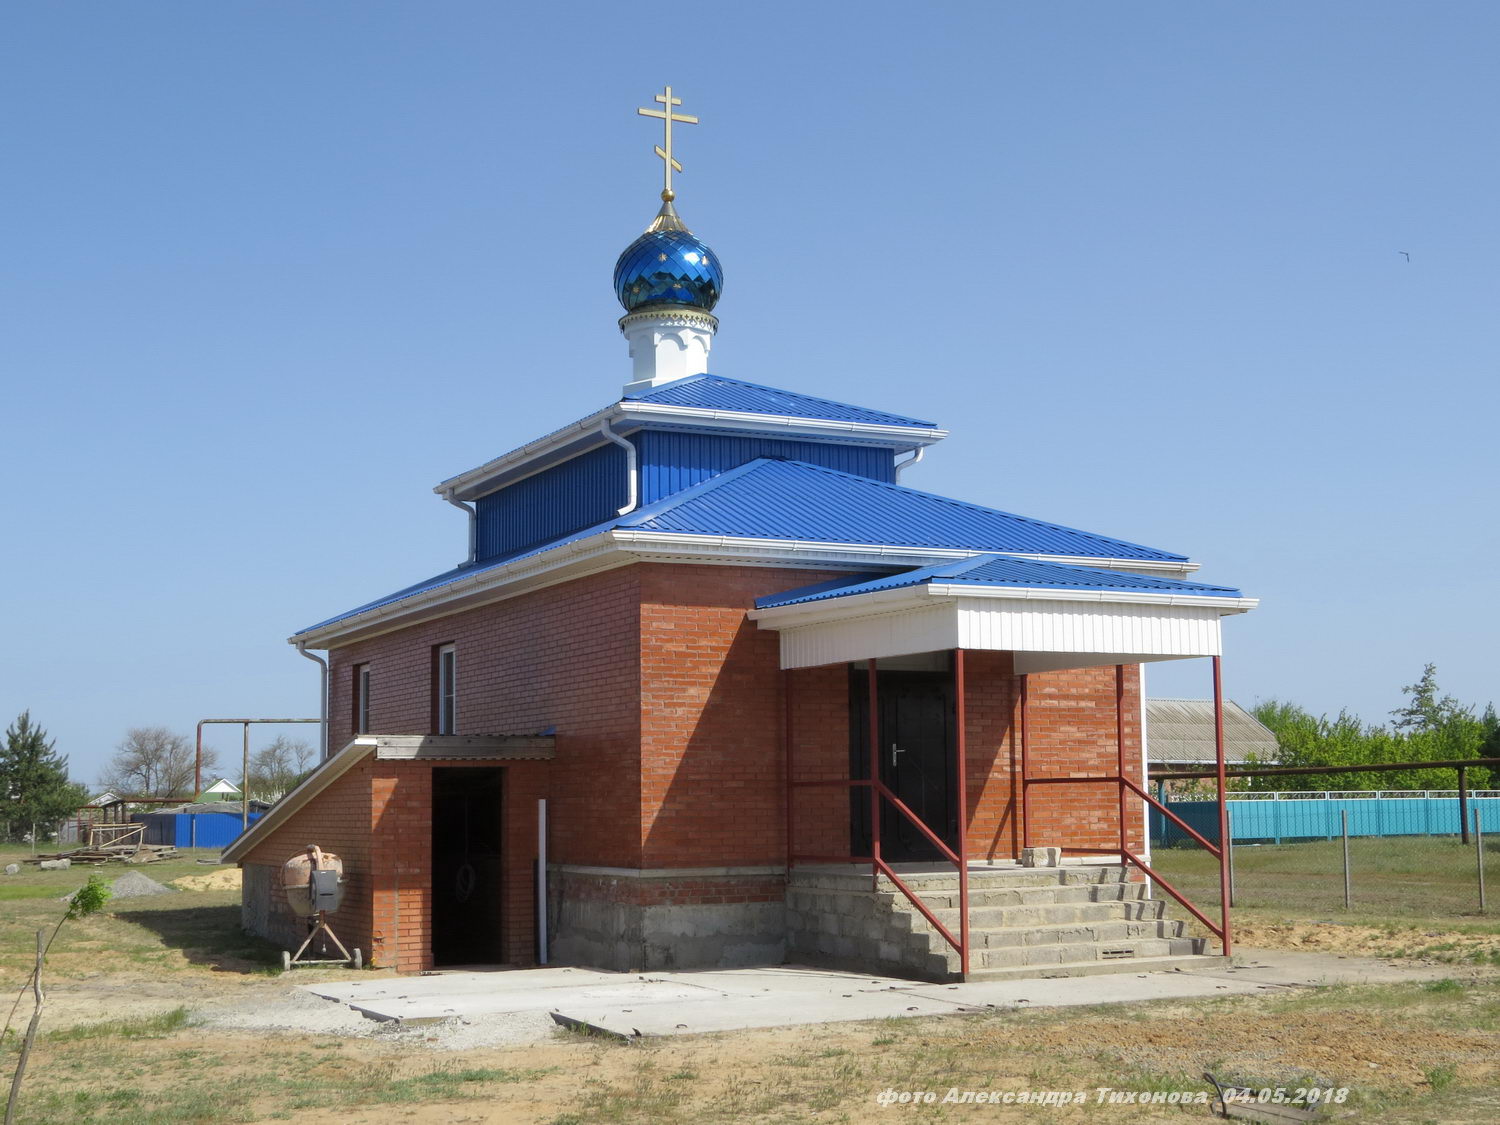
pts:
pixel 1404 254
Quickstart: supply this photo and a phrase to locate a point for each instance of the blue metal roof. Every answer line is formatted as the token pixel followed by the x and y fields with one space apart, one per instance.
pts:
pixel 998 570
pixel 714 392
pixel 768 499
pixel 771 499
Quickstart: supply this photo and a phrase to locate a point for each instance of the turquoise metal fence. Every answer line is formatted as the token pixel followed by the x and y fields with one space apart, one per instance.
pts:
pixel 1277 821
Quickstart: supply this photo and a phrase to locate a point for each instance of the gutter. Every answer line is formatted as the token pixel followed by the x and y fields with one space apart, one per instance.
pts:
pixel 632 468
pixel 473 526
pixel 322 701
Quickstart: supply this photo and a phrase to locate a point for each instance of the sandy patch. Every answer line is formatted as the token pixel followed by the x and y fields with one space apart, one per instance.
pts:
pixel 224 879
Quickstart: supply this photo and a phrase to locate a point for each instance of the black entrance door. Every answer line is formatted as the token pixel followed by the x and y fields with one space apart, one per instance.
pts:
pixel 916 761
pixel 466 866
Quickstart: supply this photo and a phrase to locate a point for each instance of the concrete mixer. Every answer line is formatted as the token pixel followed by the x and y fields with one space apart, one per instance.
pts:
pixel 313 882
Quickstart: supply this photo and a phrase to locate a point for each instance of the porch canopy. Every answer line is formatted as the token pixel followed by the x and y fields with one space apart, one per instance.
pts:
pixel 1050 615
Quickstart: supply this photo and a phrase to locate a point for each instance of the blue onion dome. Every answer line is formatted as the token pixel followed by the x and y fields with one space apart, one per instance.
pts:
pixel 668 265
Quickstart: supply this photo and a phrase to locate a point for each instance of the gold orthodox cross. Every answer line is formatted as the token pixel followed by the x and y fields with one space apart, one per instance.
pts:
pixel 667 115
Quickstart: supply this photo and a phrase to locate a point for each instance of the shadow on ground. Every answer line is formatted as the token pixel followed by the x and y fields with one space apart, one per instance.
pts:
pixel 208 935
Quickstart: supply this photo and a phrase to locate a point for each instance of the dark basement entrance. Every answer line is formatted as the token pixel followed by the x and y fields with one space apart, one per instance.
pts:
pixel 917 755
pixel 467 873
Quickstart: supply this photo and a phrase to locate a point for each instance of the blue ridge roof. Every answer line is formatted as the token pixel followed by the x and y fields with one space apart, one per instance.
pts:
pixel 998 570
pixel 714 392
pixel 771 499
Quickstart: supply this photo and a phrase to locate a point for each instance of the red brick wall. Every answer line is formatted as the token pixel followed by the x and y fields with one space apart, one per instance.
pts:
pixel 1071 733
pixel 402 861
pixel 337 821
pixel 562 657
pixel 820 752
pixel 993 754
pixel 712 791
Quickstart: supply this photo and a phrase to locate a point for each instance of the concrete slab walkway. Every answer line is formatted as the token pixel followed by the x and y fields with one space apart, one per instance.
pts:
pixel 685 1003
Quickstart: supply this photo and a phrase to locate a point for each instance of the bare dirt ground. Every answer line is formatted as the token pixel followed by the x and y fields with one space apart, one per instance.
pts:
pixel 140 1029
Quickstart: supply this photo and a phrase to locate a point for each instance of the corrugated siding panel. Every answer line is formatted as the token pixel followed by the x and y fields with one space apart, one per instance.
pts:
pixel 1040 626
pixel 671 462
pixel 889 634
pixel 579 493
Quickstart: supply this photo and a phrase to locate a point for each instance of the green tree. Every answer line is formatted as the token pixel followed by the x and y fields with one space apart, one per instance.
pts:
pixel 34 785
pixel 1424 709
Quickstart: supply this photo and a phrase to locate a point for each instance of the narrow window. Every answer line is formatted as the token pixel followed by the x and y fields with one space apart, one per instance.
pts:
pixel 445 695
pixel 361 699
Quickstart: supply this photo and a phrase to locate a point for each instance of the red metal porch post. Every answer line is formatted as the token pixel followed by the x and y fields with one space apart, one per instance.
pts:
pixel 1224 842
pixel 1025 771
pixel 786 735
pixel 874 741
pixel 1120 753
pixel 963 814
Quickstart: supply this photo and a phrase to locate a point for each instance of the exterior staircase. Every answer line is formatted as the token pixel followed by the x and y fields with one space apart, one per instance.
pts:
pixel 1071 920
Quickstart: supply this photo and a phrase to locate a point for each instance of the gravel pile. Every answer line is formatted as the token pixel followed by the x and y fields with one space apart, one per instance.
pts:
pixel 134 885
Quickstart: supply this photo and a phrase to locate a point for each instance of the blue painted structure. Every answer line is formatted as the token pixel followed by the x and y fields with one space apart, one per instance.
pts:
pixel 674 460
pixel 1275 822
pixel 767 499
pixel 997 570
pixel 668 267
pixel 715 392
pixel 580 492
pixel 212 830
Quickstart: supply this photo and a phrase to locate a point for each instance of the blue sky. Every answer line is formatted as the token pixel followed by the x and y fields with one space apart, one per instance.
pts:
pixel 272 270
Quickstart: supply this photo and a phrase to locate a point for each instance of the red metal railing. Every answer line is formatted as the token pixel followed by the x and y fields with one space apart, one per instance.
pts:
pixel 880 791
pixel 1222 929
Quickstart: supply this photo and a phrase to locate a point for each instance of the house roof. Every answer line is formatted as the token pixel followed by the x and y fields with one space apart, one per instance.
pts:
pixel 781 501
pixel 714 392
pixel 993 570
pixel 700 402
pixel 1181 732
pixel 774 499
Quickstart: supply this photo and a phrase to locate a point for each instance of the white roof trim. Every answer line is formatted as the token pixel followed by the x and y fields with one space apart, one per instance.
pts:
pixel 884 601
pixel 621 547
pixel 482 479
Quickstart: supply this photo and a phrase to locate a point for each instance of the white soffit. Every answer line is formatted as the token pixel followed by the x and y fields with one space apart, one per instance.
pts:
pixel 1045 633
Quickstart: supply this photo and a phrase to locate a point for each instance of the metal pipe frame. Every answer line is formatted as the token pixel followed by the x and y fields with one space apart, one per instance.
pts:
pixel 1120 751
pixel 962 753
pixel 873 741
pixel 1225 843
pixel 245 781
pixel 1025 762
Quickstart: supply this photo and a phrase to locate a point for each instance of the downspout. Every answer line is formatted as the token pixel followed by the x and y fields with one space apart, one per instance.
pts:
pixel 473 525
pixel 322 700
pixel 916 455
pixel 632 468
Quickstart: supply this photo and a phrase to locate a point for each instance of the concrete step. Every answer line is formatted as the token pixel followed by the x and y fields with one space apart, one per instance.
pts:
pixel 1065 953
pixel 1098 933
pixel 853 877
pixel 1098 968
pixel 981 896
pixel 1046 914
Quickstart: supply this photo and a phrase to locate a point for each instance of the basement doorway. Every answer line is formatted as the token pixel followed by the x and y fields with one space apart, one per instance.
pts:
pixel 467 866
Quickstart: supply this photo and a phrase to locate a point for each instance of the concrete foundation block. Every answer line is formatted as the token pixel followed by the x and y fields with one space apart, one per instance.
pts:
pixel 55 864
pixel 1041 857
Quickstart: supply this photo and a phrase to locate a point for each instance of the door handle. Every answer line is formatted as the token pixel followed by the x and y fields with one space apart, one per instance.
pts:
pixel 894 751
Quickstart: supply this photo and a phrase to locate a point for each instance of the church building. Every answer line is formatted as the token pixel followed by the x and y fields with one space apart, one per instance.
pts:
pixel 715 686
